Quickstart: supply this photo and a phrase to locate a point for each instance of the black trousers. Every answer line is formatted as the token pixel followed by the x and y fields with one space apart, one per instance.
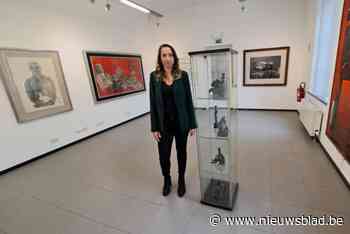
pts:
pixel 164 148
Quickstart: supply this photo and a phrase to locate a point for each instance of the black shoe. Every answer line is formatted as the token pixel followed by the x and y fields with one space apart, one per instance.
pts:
pixel 181 190
pixel 167 186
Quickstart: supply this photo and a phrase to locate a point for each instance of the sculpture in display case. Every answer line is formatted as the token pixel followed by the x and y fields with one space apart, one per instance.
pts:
pixel 223 129
pixel 218 193
pixel 215 117
pixel 219 160
pixel 218 87
pixel 212 71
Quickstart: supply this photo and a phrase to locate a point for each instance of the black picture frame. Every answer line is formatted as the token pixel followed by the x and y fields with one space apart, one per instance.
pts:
pixel 266 66
pixel 116 80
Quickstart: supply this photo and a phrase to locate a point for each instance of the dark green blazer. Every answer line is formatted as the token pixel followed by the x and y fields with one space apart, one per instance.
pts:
pixel 182 98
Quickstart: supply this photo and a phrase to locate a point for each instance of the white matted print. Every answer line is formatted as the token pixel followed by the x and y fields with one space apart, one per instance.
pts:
pixel 265 67
pixel 35 83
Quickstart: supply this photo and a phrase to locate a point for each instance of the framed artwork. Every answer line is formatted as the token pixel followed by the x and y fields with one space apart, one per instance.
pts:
pixel 34 82
pixel 265 67
pixel 114 75
pixel 338 125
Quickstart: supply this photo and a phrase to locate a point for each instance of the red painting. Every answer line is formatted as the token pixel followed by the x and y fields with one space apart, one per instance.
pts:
pixel 338 127
pixel 115 75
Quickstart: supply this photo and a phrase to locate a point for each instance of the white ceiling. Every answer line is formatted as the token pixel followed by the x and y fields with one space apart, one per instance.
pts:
pixel 165 6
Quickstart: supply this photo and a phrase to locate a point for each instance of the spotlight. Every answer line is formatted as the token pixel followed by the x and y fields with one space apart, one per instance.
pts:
pixel 135 5
pixel 243 8
pixel 108 6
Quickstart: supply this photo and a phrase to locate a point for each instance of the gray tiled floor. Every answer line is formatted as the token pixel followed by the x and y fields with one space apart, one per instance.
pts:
pixel 111 184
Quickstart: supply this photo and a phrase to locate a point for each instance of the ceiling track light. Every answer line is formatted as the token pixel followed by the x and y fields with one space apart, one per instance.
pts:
pixel 132 4
pixel 140 8
pixel 243 8
pixel 108 6
pixel 135 6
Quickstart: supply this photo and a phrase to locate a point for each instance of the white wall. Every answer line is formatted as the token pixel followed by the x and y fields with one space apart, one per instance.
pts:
pixel 271 23
pixel 338 159
pixel 70 27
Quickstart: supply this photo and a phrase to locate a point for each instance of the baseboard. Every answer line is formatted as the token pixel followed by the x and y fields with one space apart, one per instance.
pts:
pixel 306 132
pixel 252 109
pixel 346 182
pixel 69 144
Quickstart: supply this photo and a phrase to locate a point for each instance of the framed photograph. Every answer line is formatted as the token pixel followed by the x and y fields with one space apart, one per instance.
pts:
pixel 34 82
pixel 114 75
pixel 265 67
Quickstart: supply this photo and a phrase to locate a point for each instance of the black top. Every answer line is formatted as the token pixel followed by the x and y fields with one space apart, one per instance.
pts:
pixel 186 118
pixel 170 112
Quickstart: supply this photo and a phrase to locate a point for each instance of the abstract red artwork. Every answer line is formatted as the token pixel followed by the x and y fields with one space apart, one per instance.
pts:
pixel 115 75
pixel 338 127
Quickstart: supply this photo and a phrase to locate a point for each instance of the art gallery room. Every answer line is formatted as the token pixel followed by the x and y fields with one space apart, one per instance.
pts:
pixel 175 117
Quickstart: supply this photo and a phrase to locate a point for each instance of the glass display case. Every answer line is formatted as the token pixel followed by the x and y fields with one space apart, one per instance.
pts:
pixel 213 78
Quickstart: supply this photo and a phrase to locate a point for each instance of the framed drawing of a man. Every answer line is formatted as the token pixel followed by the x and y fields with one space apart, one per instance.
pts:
pixel 265 67
pixel 114 74
pixel 34 82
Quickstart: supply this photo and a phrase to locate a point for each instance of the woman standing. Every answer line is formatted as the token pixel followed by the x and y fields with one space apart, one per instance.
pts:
pixel 172 114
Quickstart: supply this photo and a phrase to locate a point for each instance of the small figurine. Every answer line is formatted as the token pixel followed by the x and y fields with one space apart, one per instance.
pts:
pixel 218 87
pixel 217 191
pixel 219 160
pixel 223 129
pixel 215 116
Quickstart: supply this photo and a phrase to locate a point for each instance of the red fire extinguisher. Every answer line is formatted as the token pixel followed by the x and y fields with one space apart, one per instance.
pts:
pixel 301 91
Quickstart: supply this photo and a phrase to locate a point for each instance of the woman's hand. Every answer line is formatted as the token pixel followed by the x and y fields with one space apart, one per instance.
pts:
pixel 192 132
pixel 156 136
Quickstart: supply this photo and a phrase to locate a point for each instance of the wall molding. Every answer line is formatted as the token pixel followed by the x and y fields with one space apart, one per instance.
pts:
pixel 346 182
pixel 253 109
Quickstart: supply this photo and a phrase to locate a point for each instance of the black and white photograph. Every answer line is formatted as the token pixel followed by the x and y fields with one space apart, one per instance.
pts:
pixel 265 67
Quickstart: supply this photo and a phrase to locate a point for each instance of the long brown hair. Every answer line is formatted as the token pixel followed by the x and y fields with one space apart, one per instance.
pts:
pixel 160 68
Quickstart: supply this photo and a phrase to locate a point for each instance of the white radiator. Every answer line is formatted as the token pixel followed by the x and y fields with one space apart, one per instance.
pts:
pixel 311 116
